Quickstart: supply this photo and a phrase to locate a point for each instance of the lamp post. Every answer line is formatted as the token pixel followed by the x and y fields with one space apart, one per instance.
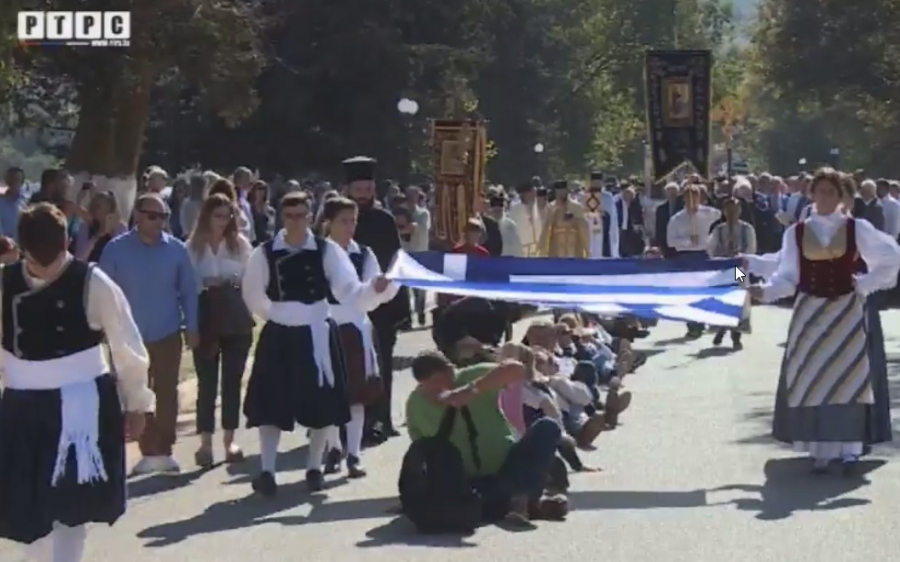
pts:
pixel 408 109
pixel 538 151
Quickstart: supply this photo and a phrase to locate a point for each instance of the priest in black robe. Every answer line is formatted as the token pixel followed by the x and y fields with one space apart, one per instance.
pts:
pixel 377 229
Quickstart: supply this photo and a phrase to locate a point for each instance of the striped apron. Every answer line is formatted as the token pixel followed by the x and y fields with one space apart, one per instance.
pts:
pixel 826 360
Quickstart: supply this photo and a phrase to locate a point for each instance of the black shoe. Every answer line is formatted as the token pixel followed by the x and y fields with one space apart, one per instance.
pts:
pixel 717 341
pixel 737 345
pixel 388 431
pixel 333 461
pixel 372 438
pixel 264 485
pixel 315 482
pixel 421 319
pixel 354 467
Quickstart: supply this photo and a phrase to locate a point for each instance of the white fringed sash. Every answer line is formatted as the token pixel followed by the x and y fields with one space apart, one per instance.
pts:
pixel 74 376
pixel 290 313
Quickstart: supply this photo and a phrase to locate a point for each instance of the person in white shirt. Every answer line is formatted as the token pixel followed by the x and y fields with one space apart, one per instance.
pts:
pixel 891 208
pixel 832 398
pixel 296 377
pixel 64 417
pixel 528 219
pixel 355 335
pixel 219 254
pixel 243 181
pixel 688 233
pixel 607 205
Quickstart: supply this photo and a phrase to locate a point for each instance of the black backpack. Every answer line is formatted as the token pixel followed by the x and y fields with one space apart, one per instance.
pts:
pixel 435 492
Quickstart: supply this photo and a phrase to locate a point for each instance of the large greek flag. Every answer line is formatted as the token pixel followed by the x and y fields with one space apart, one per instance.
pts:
pixel 700 291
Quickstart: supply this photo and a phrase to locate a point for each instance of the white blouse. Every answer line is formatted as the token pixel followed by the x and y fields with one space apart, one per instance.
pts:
pixel 342 279
pixel 221 264
pixel 880 253
pixel 107 310
pixel 357 311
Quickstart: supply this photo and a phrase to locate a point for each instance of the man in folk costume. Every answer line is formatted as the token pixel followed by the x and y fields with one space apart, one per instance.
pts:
pixel 355 335
pixel 297 376
pixel 527 216
pixel 564 233
pixel 832 393
pixel 599 226
pixel 731 238
pixel 377 229
pixel 62 432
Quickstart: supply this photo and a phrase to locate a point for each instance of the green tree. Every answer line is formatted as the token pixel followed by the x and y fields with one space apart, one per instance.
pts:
pixel 213 45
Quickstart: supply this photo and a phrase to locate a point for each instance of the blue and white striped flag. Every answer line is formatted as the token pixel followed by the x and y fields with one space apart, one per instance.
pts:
pixel 694 290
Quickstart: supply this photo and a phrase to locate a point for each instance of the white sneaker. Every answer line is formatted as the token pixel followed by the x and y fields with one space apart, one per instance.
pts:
pixel 156 465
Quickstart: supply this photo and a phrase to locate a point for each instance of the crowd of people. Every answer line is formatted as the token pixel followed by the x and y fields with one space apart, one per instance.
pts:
pixel 200 262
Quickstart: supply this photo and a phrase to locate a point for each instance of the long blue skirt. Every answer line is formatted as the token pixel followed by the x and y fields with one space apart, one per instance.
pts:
pixel 834 420
pixel 30 423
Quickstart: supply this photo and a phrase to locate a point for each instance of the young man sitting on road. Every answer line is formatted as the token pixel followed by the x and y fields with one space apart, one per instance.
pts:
pixel 511 473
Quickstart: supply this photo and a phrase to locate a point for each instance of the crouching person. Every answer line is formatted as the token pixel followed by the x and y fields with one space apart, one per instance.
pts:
pixel 508 471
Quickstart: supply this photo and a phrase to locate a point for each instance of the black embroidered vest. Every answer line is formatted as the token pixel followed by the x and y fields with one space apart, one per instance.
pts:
pixel 297 276
pixel 48 322
pixel 358 259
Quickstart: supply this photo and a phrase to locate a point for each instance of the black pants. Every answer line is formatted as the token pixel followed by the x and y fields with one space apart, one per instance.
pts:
pixel 385 340
pixel 735 335
pixel 232 356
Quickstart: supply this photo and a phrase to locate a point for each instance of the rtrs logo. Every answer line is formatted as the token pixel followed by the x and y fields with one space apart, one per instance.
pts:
pixel 75 29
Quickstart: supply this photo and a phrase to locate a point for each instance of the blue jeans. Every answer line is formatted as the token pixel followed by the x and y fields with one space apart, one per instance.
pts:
pixel 524 472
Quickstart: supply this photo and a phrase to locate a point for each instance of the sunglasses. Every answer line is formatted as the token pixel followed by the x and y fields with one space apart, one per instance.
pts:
pixel 155 215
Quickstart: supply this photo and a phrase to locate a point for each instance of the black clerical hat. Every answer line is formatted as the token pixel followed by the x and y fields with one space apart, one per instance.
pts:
pixel 360 168
pixel 560 184
pixel 541 192
pixel 597 175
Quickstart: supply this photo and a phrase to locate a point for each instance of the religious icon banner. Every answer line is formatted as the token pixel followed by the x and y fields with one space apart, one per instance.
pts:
pixel 459 154
pixel 678 86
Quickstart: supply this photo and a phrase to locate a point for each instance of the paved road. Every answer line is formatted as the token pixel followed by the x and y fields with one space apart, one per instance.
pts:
pixel 690 476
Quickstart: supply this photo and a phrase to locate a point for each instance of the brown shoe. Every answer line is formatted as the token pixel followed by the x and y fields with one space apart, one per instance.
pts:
pixel 616 403
pixel 624 364
pixel 551 508
pixel 590 430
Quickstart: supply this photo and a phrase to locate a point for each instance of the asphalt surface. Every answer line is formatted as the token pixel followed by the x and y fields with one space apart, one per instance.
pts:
pixel 690 475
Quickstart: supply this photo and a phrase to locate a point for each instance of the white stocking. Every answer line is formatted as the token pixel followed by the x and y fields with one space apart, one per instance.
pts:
pixel 355 429
pixel 269 436
pixel 318 440
pixel 63 544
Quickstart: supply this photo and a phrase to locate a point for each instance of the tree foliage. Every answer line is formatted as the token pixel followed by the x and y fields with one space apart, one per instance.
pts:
pixel 824 75
pixel 293 86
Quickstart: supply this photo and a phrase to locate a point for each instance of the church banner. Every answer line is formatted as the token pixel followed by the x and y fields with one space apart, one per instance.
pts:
pixel 678 90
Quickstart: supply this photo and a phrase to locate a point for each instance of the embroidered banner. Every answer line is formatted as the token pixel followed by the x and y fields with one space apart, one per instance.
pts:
pixel 678 90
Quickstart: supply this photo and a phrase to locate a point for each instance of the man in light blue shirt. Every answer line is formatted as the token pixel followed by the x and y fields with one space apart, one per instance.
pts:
pixel 12 202
pixel 154 270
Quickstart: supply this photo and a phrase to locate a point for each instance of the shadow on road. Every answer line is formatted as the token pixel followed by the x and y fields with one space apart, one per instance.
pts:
pixel 636 499
pixel 236 514
pixel 673 341
pixel 244 472
pixel 400 530
pixel 161 483
pixel 790 487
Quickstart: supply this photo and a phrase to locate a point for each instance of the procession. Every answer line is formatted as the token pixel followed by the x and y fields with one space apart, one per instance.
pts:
pixel 647 357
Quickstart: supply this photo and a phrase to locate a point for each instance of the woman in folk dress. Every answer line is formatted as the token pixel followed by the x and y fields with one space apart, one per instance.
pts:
pixel 827 390
pixel 357 343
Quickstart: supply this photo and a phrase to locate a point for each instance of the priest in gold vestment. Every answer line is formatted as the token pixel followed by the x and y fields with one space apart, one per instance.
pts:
pixel 565 230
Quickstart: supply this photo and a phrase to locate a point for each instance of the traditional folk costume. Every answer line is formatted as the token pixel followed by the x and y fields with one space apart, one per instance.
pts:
pixel 832 399
pixel 358 357
pixel 62 442
pixel 297 376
